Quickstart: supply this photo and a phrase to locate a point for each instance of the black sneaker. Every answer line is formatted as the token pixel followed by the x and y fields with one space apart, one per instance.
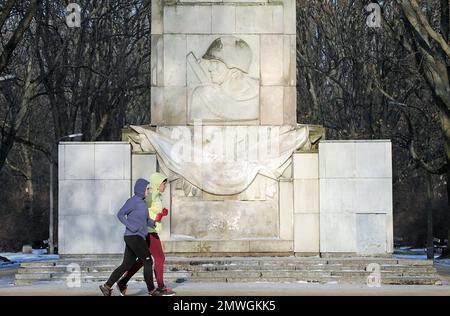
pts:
pixel 106 290
pixel 122 289
pixel 155 292
pixel 167 291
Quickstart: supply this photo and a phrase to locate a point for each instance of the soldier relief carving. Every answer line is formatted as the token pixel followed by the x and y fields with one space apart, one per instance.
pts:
pixel 225 91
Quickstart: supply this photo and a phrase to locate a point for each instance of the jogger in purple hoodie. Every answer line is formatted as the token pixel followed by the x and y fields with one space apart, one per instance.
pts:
pixel 134 215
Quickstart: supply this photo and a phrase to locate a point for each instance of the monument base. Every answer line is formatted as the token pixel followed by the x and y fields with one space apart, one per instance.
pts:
pixel 333 203
pixel 259 220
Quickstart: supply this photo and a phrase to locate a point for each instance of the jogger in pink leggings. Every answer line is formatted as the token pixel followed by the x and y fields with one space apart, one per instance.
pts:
pixel 156 212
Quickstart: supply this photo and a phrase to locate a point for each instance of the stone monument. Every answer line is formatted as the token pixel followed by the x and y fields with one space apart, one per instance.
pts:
pixel 224 73
pixel 244 177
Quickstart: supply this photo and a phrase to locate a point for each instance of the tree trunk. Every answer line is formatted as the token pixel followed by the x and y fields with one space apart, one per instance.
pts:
pixel 9 136
pixel 430 245
pixel 434 52
pixel 29 189
pixel 445 126
pixel 18 34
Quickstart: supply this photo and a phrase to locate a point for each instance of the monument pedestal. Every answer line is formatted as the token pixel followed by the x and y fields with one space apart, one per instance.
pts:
pixel 258 220
pixel 334 202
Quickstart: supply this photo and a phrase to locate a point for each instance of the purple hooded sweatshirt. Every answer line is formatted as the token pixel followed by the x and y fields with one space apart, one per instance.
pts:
pixel 134 213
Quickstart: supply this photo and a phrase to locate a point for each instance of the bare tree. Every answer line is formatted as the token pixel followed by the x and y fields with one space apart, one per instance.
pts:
pixel 432 52
pixel 363 82
pixel 14 110
pixel 18 32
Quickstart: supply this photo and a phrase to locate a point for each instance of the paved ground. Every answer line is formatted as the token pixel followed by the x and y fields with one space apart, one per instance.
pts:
pixel 232 289
pixel 7 288
pixel 444 272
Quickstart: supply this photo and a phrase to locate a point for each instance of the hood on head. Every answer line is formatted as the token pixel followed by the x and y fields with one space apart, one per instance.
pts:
pixel 140 187
pixel 156 179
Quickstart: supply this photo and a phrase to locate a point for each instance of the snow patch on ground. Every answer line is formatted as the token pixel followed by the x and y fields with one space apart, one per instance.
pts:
pixel 17 258
pixel 443 262
pixel 418 254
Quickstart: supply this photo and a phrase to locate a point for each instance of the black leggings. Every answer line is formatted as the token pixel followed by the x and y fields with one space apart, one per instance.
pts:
pixel 136 247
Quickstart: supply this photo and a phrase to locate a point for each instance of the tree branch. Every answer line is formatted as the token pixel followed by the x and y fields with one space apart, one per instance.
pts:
pixel 18 34
pixel 16 169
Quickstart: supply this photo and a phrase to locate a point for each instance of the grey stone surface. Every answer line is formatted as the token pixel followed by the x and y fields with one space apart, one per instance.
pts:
pixel 286 210
pixel 356 197
pixel 157 17
pixel 272 99
pixel 174 106
pixel 187 19
pixel 336 195
pixel 371 233
pixel 91 234
pixel 290 106
pixel 185 27
pixel 197 44
pixel 290 62
pixel 169 105
pixel 289 7
pixel 373 160
pixel 157 105
pixel 337 160
pixel 167 203
pixel 306 196
pixel 224 220
pixel 271 246
pixel 225 91
pixel 112 162
pixel 143 166
pixel 338 232
pixel 306 230
pixel 372 195
pixel 224 19
pixel 272 61
pixel 174 60
pixel 260 19
pixel 157 60
pixel 306 166
pixel 75 166
pixel 89 201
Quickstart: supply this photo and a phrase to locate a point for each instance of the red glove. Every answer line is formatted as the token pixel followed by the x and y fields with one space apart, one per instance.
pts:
pixel 159 216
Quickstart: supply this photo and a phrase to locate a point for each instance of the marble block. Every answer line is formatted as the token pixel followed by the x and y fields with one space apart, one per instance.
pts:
pixel 371 233
pixel 356 197
pixel 143 166
pixel 260 19
pixel 306 166
pixel 306 236
pixel 187 19
pixel 112 162
pixel 78 163
pixel 224 220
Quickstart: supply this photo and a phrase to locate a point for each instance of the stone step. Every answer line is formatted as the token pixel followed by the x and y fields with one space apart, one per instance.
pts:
pixel 228 265
pixel 237 269
pixel 229 274
pixel 46 276
pixel 401 268
pixel 422 280
pixel 174 268
pixel 239 261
